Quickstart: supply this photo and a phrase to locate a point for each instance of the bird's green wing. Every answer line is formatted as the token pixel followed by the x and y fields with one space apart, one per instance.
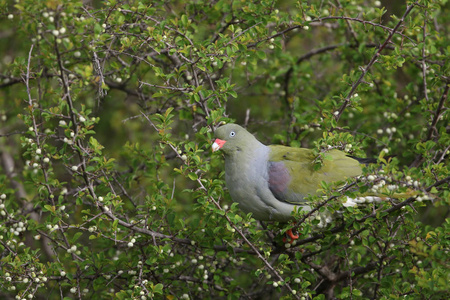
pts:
pixel 292 176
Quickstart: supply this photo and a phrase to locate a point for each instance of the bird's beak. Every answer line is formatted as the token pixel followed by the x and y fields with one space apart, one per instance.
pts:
pixel 217 145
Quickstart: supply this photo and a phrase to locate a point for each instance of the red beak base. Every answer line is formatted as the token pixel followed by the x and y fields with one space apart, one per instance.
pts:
pixel 218 143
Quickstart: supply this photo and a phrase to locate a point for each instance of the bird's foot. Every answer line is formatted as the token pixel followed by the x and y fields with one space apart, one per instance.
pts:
pixel 290 236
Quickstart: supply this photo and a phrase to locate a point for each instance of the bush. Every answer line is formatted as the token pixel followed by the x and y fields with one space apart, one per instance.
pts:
pixel 107 183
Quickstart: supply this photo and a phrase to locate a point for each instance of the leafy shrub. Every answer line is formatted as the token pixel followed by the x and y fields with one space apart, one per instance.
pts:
pixel 107 184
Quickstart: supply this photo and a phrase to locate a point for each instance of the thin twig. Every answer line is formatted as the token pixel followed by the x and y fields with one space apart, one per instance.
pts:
pixel 438 112
pixel 424 65
pixel 371 63
pixel 250 244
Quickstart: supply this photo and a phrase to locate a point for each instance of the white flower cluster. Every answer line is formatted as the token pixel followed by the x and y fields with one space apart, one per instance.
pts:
pixel 352 202
pixel 131 243
pixel 2 206
pixel 18 227
pixel 31 277
pixel 72 249
pixel 381 186
pixel 324 218
pixel 52 228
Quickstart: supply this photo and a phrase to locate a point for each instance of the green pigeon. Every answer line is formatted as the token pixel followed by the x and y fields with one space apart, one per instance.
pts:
pixel 270 181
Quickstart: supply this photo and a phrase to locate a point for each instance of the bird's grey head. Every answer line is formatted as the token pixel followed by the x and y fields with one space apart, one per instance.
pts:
pixel 231 138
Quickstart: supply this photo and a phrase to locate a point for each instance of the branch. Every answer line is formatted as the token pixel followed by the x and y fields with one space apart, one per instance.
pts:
pixel 370 64
pixel 250 244
pixel 432 128
pixel 438 112
pixel 343 226
pixel 316 52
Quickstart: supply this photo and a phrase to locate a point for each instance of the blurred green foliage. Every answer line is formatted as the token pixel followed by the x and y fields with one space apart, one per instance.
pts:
pixel 108 188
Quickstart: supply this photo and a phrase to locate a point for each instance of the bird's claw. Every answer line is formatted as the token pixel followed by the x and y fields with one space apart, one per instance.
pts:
pixel 290 235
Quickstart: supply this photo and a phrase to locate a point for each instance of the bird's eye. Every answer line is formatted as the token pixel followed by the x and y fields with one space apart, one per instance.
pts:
pixel 232 134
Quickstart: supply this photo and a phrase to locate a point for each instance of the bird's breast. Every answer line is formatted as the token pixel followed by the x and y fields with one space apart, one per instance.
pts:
pixel 245 178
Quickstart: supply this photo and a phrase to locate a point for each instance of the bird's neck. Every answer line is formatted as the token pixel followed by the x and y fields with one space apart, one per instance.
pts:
pixel 248 159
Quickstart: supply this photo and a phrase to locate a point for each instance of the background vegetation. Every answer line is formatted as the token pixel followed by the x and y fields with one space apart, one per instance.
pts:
pixel 108 188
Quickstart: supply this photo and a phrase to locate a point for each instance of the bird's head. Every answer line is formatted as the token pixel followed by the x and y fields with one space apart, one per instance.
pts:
pixel 231 138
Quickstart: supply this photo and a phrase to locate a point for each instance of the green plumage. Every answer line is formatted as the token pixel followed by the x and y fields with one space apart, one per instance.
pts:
pixel 300 163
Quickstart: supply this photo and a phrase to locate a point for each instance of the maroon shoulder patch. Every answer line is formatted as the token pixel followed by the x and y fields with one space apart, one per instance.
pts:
pixel 279 179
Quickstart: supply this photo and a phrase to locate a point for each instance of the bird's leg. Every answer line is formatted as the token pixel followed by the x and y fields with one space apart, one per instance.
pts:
pixel 290 235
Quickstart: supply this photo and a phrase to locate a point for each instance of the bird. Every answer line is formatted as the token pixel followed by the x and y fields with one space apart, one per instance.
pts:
pixel 270 181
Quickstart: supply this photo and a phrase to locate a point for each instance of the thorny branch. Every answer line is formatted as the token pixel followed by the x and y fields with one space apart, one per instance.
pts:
pixel 375 57
pixel 239 231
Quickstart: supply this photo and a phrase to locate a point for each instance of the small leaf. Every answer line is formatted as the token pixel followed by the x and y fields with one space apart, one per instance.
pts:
pixel 193 176
pixel 261 54
pixel 76 236
pixel 158 288
pixel 50 208
pixel 115 223
pixel 328 157
pixel 233 94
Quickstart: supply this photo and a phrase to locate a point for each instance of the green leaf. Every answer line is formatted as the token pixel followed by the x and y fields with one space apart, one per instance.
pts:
pixel 96 146
pixel 50 208
pixel 193 176
pixel 114 225
pixel 327 157
pixel 232 94
pixel 97 28
pixel 158 289
pixel 305 284
pixel 184 21
pixel 261 54
pixel 76 236
pixel 157 94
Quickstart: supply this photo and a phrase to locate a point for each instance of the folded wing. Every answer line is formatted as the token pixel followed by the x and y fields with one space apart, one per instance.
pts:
pixel 292 176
